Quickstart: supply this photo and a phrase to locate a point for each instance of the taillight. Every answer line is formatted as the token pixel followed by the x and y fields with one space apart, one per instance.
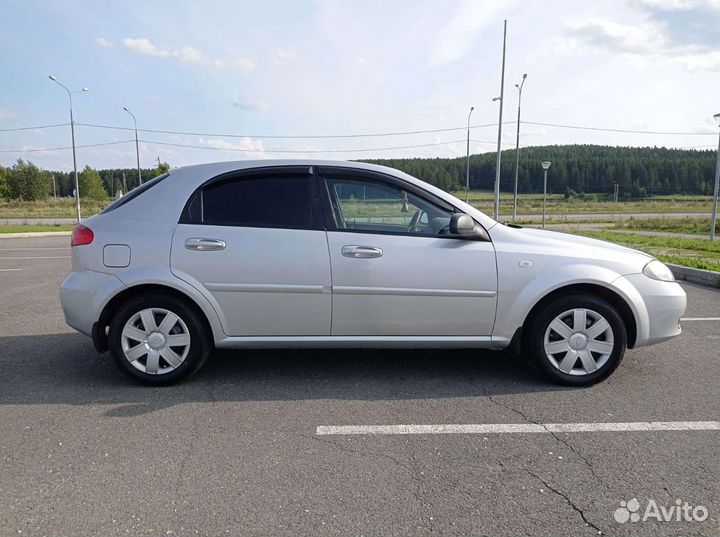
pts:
pixel 81 235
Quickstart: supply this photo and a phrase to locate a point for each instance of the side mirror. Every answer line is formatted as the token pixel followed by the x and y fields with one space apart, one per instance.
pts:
pixel 462 224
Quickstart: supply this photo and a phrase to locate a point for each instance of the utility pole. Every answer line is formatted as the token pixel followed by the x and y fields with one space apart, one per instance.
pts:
pixel 499 144
pixel 616 189
pixel 125 189
pixel 54 187
pixel 517 146
pixel 158 159
pixel 137 146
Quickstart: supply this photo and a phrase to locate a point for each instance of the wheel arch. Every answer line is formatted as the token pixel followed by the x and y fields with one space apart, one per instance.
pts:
pixel 99 332
pixel 600 291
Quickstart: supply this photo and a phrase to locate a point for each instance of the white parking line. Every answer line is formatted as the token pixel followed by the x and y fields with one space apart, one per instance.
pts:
pixel 9 269
pixel 25 249
pixel 700 319
pixel 36 257
pixel 522 428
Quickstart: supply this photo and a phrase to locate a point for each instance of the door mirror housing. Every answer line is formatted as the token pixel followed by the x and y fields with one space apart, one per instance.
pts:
pixel 462 224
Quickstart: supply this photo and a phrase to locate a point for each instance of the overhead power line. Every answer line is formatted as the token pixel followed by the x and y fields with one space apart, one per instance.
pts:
pixel 361 135
pixel 38 127
pixel 301 151
pixel 248 150
pixel 287 136
pixel 605 129
pixel 38 149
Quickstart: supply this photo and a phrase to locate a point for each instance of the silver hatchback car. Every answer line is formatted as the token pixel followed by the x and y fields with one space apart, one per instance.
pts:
pixel 287 254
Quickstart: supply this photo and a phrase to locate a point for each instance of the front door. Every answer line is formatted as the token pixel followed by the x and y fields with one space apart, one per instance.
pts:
pixel 396 271
pixel 254 241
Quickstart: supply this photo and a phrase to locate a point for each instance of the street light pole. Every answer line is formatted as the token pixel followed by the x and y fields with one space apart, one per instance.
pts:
pixel 72 134
pixel 545 165
pixel 137 147
pixel 517 146
pixel 467 164
pixel 713 222
pixel 499 144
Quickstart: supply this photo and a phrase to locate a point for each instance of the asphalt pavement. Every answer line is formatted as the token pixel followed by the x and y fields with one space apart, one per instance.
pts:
pixel 235 450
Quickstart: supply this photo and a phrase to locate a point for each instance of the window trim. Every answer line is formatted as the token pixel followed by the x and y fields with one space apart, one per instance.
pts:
pixel 271 171
pixel 359 174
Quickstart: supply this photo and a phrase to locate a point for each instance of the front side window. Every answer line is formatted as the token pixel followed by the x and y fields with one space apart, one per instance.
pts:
pixel 257 201
pixel 367 205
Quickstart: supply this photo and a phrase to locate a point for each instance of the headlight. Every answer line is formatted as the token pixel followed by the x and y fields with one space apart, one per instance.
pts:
pixel 658 271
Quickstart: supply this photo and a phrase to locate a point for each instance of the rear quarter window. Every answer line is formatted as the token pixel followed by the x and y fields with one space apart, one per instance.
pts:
pixel 134 193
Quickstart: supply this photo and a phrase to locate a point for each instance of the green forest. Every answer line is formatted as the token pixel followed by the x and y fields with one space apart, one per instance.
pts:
pixel 576 170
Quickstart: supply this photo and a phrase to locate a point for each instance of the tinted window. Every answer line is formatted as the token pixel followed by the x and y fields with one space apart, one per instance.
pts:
pixel 262 201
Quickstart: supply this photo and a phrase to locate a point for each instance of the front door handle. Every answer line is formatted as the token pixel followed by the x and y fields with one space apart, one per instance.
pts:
pixel 361 252
pixel 204 245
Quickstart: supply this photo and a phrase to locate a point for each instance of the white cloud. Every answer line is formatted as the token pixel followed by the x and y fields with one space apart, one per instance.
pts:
pixel 245 145
pixel 680 5
pixel 283 55
pixel 245 102
pixel 649 40
pixel 644 38
pixel 6 113
pixel 103 42
pixel 457 36
pixel 185 54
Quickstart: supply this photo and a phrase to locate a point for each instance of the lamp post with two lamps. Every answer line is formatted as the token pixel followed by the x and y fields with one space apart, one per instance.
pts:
pixel 467 163
pixel 72 134
pixel 517 146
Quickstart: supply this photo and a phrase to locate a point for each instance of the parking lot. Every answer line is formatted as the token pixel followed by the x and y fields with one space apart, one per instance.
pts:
pixel 236 450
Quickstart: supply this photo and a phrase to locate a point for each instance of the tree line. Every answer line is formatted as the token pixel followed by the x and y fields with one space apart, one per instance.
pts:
pixel 26 181
pixel 575 170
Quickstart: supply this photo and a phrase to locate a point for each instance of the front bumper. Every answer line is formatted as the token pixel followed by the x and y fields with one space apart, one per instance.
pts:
pixel 83 294
pixel 661 306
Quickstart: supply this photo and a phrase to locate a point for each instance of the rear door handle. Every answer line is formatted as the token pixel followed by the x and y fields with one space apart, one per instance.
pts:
pixel 204 245
pixel 361 252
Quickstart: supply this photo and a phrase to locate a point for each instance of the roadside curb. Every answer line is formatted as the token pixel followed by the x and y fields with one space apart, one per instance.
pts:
pixel 35 234
pixel 694 275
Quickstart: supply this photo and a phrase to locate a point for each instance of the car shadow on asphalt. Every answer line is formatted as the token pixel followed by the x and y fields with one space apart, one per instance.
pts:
pixel 65 369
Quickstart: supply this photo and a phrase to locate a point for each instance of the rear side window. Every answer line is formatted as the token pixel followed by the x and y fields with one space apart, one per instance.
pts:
pixel 256 201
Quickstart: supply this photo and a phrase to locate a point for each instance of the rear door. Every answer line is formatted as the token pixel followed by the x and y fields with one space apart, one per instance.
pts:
pixel 255 241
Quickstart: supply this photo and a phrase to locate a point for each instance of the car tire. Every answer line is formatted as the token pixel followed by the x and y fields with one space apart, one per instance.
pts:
pixel 565 351
pixel 142 333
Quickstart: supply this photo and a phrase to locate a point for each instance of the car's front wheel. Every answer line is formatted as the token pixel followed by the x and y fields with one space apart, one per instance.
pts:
pixel 576 340
pixel 158 339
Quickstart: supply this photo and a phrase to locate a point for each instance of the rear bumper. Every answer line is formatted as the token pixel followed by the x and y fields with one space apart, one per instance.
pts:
pixel 83 294
pixel 664 304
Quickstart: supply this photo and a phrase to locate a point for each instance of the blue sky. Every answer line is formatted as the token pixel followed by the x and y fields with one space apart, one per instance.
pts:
pixel 322 67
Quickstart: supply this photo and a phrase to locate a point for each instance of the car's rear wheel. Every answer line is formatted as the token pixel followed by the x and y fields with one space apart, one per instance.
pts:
pixel 158 339
pixel 576 340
